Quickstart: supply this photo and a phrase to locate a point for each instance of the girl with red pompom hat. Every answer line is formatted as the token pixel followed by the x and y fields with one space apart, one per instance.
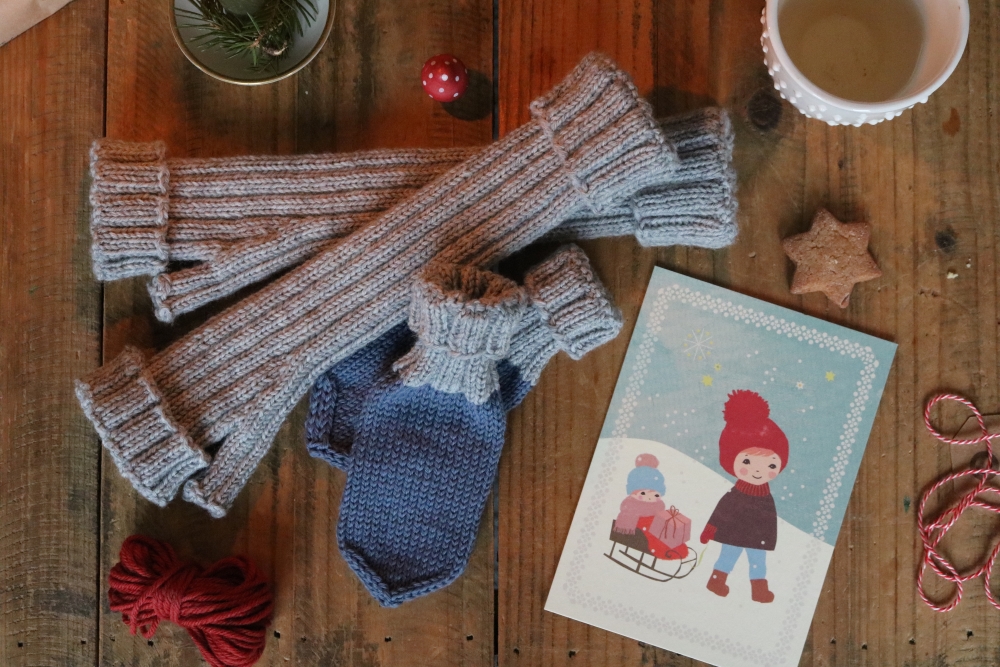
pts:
pixel 754 450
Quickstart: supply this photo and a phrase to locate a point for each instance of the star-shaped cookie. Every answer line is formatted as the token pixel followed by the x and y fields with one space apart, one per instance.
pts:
pixel 831 257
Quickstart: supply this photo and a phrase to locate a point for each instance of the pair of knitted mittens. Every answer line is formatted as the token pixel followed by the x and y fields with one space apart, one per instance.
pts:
pixel 424 430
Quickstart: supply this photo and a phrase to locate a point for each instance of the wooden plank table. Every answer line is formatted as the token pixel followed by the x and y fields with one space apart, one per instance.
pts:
pixel 928 181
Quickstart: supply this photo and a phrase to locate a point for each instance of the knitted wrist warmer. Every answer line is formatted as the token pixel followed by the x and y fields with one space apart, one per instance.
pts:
pixel 245 219
pixel 233 380
pixel 463 319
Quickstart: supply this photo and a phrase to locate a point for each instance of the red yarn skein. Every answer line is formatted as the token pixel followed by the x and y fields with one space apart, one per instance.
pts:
pixel 225 607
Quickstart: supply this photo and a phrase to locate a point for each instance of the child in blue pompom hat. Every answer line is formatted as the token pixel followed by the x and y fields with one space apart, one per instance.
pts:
pixel 645 486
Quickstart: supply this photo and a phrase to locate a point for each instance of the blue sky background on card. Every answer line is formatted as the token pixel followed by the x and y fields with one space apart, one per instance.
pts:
pixel 700 357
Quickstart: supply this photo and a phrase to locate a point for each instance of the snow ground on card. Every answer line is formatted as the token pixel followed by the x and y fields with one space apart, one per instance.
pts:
pixel 694 489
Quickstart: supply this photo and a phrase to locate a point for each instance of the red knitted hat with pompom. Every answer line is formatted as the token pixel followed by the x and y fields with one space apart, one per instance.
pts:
pixel 748 425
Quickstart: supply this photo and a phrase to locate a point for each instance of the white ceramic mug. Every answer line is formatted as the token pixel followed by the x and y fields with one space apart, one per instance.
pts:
pixel 946 31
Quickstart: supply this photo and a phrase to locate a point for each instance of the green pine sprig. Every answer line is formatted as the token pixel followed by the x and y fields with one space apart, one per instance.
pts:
pixel 265 37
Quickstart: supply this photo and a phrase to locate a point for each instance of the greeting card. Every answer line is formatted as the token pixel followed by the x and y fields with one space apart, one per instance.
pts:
pixel 708 517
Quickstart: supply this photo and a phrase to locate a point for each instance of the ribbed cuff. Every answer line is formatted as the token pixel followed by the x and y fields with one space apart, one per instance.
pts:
pixel 464 319
pixel 699 214
pixel 573 303
pixel 604 134
pixel 149 448
pixel 129 209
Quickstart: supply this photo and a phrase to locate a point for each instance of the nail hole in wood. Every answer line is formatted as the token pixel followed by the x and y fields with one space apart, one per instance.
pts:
pixel 517 651
pixel 913 641
pixel 83 642
pixel 277 635
pixel 388 639
pixel 302 639
pixel 468 638
pixel 833 641
pixel 864 647
pixel 572 654
pixel 150 642
pixel 945 239
pixel 20 644
pixel 968 634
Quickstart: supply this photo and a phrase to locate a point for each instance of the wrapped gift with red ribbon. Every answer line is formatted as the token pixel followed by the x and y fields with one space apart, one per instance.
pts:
pixel 666 533
pixel 671 527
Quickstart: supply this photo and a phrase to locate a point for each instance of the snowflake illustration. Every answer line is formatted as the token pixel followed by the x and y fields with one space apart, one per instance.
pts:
pixel 799 385
pixel 698 344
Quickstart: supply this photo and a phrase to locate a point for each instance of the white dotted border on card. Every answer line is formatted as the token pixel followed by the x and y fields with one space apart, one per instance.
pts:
pixel 623 422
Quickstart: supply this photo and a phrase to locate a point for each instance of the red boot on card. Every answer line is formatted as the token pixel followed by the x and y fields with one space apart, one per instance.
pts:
pixel 759 591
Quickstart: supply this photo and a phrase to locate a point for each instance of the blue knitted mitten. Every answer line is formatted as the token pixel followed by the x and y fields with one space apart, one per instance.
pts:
pixel 428 441
pixel 425 455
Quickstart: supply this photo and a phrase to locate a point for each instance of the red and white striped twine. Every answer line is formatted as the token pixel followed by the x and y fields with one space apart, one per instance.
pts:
pixel 932 532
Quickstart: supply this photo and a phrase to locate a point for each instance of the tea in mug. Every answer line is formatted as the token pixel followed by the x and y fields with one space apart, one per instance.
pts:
pixel 859 50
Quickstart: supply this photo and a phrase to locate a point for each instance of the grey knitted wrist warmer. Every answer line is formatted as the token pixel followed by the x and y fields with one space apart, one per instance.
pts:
pixel 232 381
pixel 298 204
pixel 570 310
pixel 464 318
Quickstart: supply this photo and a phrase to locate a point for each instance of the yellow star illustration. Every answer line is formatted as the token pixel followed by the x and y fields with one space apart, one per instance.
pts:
pixel 706 380
pixel 830 375
pixel 718 367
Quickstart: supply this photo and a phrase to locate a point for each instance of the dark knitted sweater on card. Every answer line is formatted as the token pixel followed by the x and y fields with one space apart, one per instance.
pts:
pixel 746 517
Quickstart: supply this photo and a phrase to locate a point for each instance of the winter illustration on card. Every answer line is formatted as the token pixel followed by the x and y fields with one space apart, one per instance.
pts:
pixel 721 477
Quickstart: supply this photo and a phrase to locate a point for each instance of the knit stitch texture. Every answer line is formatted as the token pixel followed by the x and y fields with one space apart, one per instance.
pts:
pixel 229 384
pixel 241 220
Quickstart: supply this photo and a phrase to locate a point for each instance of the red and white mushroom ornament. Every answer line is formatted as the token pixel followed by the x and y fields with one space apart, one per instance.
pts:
pixel 444 78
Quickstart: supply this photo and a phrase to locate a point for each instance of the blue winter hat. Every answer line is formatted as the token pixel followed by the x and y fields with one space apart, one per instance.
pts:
pixel 646 476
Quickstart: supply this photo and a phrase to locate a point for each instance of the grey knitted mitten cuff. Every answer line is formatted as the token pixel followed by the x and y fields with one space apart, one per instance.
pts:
pixel 147 446
pixel 570 310
pixel 129 209
pixel 464 319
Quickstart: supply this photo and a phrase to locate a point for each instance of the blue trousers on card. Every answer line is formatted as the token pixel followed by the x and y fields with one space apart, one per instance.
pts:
pixel 757 558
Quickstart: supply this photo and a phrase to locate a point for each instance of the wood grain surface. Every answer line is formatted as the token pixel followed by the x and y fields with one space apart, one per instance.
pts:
pixel 929 182
pixel 51 107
